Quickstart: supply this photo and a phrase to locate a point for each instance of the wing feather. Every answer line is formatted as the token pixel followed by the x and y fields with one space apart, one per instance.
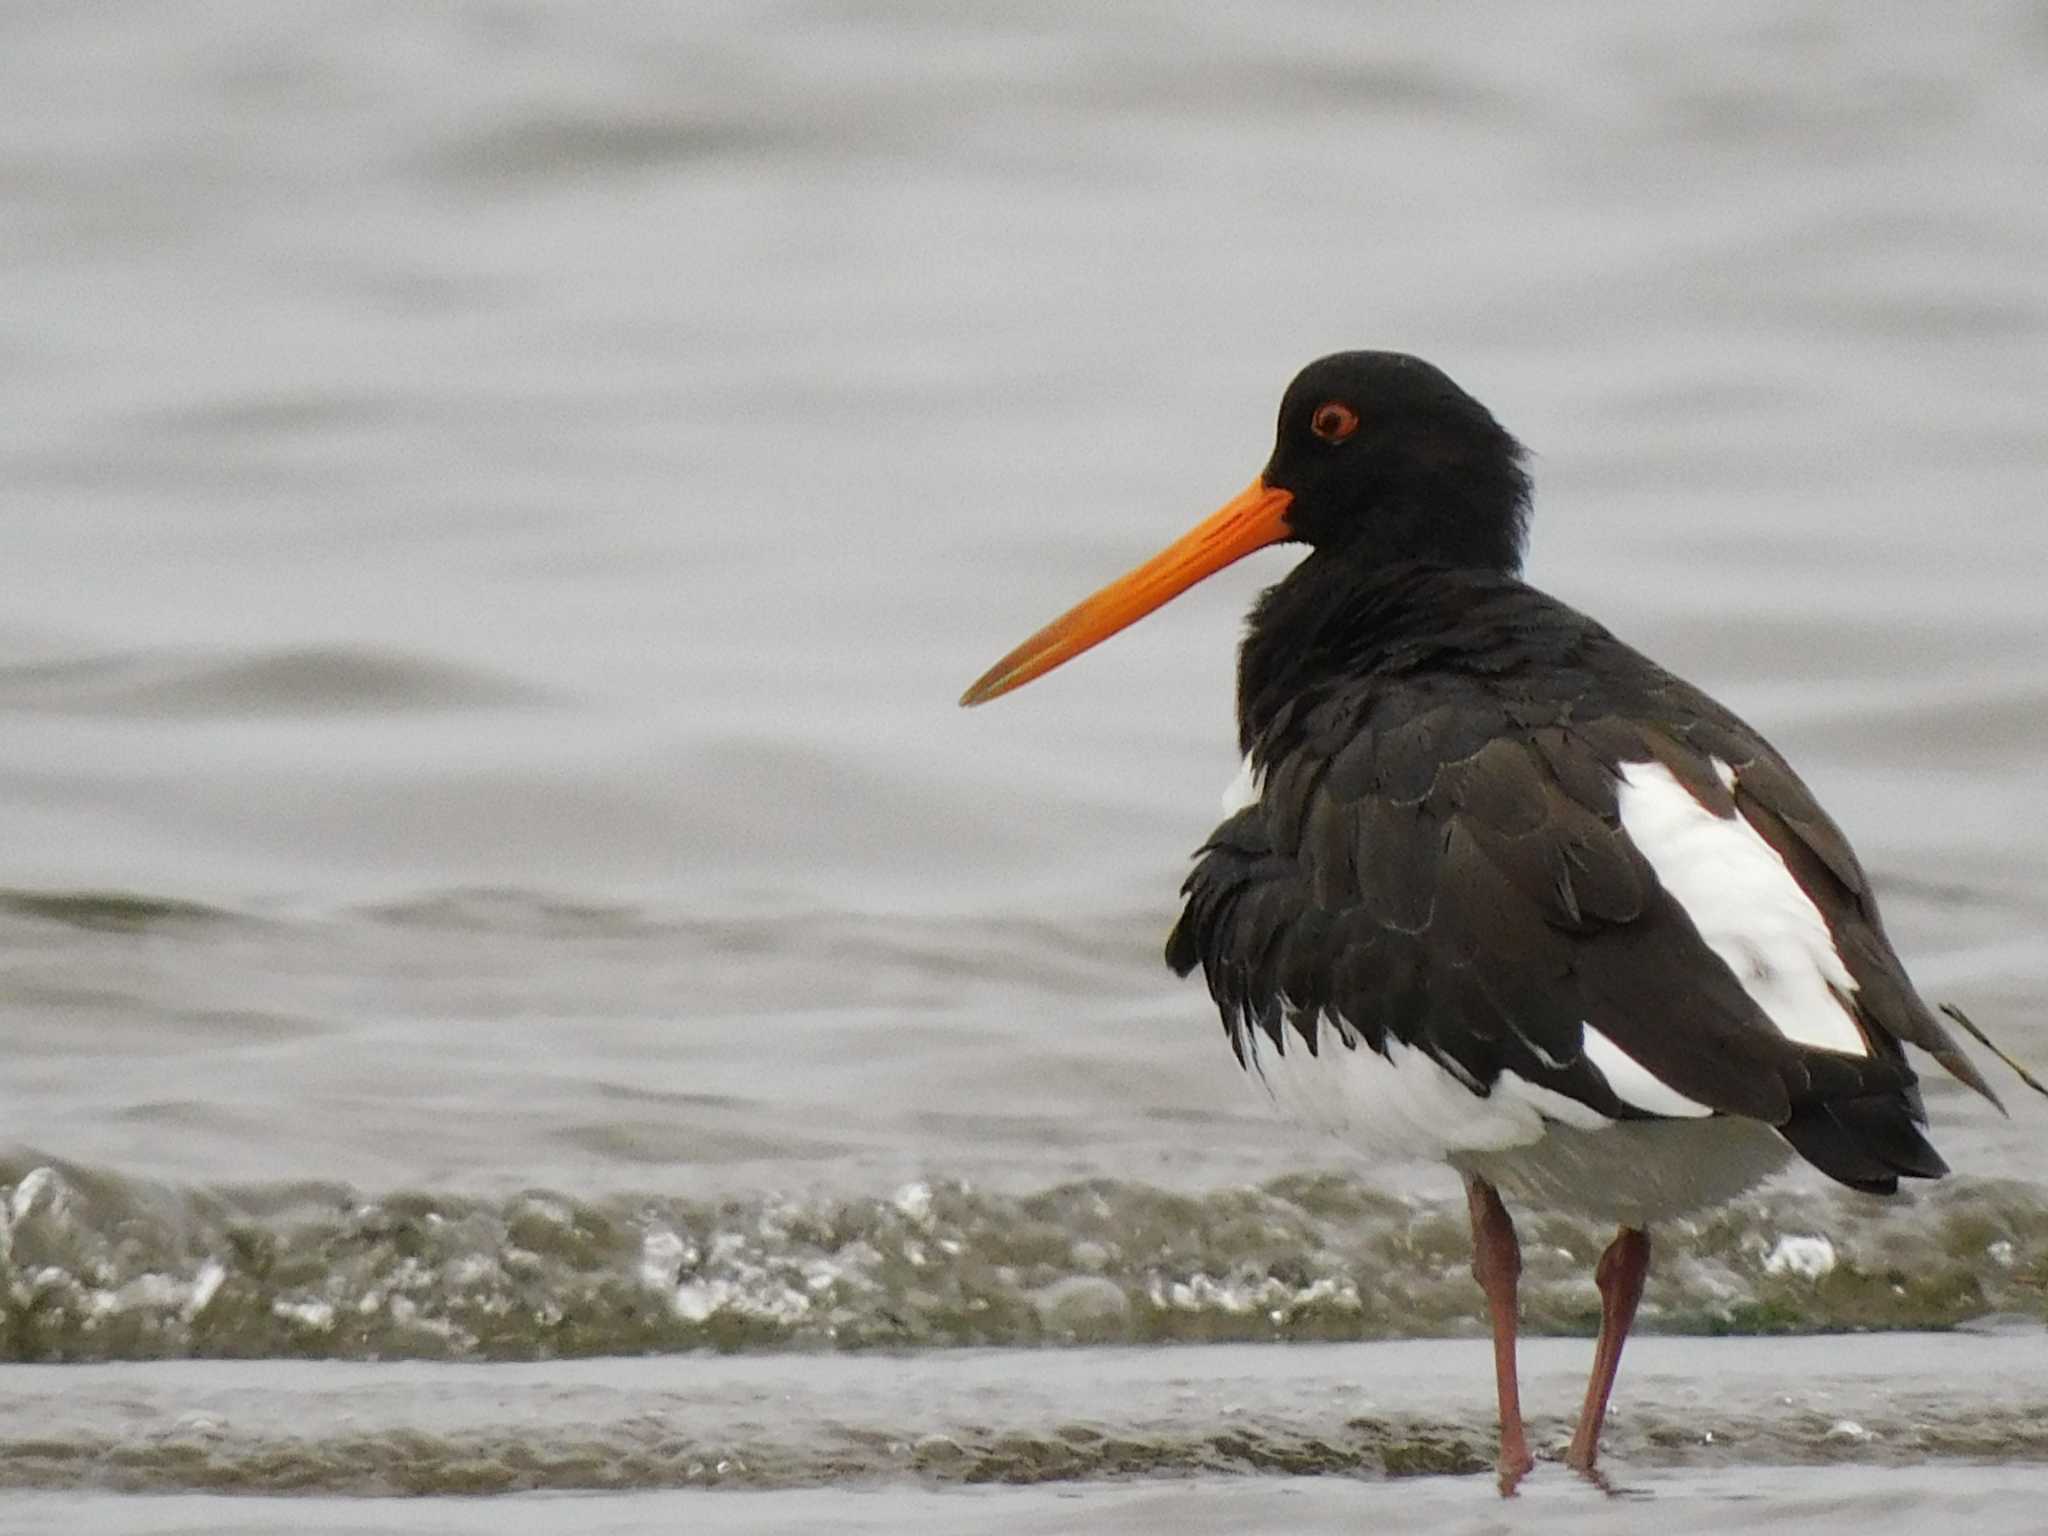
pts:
pixel 1446 866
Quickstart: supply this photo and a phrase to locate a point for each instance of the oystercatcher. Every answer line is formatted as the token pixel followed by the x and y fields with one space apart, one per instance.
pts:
pixel 1498 890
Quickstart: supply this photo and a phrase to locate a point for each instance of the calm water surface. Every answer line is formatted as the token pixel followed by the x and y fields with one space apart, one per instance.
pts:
pixel 497 502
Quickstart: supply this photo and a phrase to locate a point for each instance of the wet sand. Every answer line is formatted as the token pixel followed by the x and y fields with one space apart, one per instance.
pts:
pixel 1327 1432
pixel 1853 1501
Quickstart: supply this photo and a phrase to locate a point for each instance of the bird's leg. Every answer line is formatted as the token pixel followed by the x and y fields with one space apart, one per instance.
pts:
pixel 1497 1266
pixel 1620 1278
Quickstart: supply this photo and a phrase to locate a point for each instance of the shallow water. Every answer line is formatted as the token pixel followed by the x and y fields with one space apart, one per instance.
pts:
pixel 1381 1412
pixel 1706 1436
pixel 1998 1501
pixel 499 502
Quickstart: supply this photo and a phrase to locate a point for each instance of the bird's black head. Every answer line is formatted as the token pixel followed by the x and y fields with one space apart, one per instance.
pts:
pixel 1380 460
pixel 1386 459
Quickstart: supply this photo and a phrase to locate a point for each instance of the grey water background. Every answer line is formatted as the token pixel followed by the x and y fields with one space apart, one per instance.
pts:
pixel 496 504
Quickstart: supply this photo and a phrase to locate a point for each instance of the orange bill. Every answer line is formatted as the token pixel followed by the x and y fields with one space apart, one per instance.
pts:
pixel 1251 520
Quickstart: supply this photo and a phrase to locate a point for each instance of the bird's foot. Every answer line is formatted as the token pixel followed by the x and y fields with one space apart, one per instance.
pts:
pixel 1586 1467
pixel 1515 1464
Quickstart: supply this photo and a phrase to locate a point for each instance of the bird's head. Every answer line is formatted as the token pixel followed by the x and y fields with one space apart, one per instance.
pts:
pixel 1382 455
pixel 1378 457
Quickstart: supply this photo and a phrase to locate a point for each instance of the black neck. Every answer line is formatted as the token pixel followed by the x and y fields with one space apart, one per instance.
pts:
pixel 1332 624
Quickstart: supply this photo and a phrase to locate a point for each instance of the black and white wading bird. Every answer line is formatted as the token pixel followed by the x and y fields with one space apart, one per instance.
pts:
pixel 1498 890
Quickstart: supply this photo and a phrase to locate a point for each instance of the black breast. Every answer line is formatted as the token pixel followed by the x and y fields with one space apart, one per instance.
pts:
pixel 1437 857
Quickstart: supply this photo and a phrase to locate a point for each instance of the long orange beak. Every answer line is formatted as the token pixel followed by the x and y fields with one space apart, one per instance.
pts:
pixel 1251 520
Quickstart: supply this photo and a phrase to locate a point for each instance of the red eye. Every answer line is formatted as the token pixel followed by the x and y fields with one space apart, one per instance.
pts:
pixel 1333 422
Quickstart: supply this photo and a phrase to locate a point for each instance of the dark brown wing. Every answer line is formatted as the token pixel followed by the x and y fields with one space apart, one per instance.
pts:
pixel 1442 862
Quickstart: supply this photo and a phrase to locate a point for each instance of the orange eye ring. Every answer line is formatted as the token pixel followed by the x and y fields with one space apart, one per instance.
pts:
pixel 1333 421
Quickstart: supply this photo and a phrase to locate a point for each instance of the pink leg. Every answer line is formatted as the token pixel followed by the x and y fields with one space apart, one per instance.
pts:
pixel 1620 1278
pixel 1497 1266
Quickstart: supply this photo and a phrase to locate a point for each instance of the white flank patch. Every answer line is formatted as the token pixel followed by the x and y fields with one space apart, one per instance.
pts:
pixel 1634 1083
pixel 1402 1104
pixel 1245 789
pixel 1746 906
pixel 1551 1104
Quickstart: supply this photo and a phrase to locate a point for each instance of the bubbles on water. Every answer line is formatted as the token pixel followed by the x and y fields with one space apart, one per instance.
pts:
pixel 1082 1307
pixel 1809 1257
pixel 663 1256
pixel 316 1315
pixel 205 1286
pixel 40 1186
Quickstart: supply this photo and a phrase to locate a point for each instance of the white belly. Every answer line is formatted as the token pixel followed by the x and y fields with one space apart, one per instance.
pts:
pixel 1635 1172
pixel 1395 1107
pixel 1530 1143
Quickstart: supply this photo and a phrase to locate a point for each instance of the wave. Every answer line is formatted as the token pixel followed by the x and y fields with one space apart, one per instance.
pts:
pixel 307 680
pixel 112 910
pixel 96 1266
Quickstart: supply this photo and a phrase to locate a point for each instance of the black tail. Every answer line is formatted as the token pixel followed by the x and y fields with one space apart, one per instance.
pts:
pixel 1868 1143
